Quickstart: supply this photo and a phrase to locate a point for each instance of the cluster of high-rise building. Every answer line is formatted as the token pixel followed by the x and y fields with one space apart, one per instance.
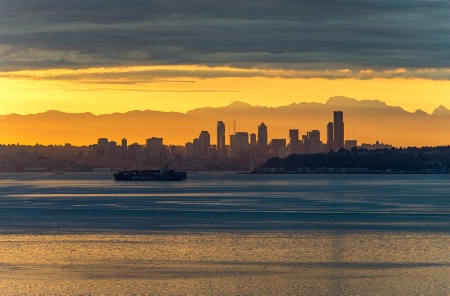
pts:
pixel 259 146
pixel 335 132
pixel 242 150
pixel 244 146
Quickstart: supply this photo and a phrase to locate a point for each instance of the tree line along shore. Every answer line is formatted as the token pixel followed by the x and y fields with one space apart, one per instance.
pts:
pixel 424 160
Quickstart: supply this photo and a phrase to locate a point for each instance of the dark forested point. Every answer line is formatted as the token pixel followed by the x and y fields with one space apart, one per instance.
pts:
pixel 426 160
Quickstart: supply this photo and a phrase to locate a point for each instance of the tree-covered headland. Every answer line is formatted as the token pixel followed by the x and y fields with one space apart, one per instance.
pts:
pixel 394 160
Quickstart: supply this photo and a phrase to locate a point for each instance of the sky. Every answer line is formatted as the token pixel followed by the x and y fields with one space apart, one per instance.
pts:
pixel 115 56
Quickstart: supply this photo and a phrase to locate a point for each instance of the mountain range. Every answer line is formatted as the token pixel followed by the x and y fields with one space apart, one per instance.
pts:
pixel 365 120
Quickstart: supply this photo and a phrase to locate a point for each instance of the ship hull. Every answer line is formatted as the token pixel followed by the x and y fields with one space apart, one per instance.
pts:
pixel 149 176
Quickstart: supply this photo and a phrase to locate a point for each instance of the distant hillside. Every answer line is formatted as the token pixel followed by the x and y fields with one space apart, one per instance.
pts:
pixel 365 121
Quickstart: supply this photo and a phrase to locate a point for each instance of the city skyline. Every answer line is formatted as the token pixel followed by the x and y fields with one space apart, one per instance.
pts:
pixel 363 119
pixel 86 56
pixel 243 151
pixel 241 140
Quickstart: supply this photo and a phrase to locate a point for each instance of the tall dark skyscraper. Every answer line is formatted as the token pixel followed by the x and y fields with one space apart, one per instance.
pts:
pixel 253 139
pixel 242 146
pixel 330 137
pixel 293 141
pixel 338 130
pixel 204 143
pixel 262 140
pixel 220 136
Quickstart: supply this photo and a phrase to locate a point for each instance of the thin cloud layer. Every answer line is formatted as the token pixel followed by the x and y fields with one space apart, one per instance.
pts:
pixel 291 39
pixel 150 74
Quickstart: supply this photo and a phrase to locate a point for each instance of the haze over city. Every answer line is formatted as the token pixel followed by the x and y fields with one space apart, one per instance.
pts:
pixel 367 121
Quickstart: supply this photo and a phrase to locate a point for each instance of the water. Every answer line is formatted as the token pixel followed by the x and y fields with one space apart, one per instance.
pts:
pixel 218 201
pixel 223 233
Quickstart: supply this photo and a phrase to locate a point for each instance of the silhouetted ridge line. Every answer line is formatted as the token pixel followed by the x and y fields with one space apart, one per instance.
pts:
pixel 368 121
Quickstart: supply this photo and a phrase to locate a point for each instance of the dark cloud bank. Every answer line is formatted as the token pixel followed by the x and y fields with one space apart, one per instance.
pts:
pixel 298 35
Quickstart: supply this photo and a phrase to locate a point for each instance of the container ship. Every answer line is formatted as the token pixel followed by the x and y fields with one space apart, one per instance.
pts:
pixel 163 174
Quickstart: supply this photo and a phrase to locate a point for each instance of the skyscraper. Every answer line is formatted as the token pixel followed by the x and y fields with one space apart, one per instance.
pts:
pixel 124 150
pixel 278 147
pixel 242 147
pixel 220 136
pixel 315 142
pixel 262 140
pixel 205 143
pixel 253 139
pixel 155 147
pixel 293 141
pixel 330 137
pixel 100 150
pixel 312 142
pixel 102 143
pixel 338 130
pixel 111 151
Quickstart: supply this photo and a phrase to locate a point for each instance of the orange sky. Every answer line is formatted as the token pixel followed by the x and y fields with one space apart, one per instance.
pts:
pixel 93 56
pixel 182 88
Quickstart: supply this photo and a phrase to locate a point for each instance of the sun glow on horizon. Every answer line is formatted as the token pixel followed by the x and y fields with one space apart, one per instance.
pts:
pixel 182 88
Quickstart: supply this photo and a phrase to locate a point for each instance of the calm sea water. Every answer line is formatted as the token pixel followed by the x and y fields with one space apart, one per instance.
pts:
pixel 223 233
pixel 223 201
